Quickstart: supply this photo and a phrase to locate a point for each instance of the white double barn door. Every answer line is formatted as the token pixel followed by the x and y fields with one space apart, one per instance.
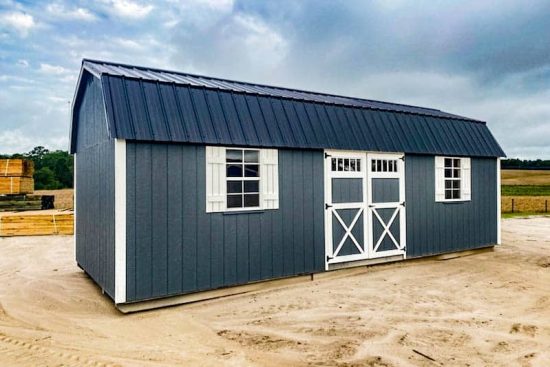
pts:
pixel 364 205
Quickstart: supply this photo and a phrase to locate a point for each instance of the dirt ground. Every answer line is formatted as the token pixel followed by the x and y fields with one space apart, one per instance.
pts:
pixel 489 309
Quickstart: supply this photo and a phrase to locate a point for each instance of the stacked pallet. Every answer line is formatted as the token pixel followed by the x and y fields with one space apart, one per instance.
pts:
pixel 44 222
pixel 16 176
pixel 12 203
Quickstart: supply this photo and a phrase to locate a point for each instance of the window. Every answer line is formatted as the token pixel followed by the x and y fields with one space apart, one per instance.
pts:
pixel 243 178
pixel 383 165
pixel 346 165
pixel 452 179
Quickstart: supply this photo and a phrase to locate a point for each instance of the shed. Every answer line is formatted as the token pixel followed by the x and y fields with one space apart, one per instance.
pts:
pixel 187 184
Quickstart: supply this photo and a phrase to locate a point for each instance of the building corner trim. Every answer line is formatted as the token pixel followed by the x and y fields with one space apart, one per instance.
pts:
pixel 120 221
pixel 499 214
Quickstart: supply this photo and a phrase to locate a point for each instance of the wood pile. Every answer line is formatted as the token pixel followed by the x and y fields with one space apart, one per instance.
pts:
pixel 16 168
pixel 12 203
pixel 16 176
pixel 45 222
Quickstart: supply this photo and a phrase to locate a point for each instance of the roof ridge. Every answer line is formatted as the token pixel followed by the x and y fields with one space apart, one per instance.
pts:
pixel 358 99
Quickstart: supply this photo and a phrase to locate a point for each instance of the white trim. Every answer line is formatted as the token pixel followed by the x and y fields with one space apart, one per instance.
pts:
pixel 464 179
pixel 499 214
pixel 74 203
pixel 399 207
pixel 120 221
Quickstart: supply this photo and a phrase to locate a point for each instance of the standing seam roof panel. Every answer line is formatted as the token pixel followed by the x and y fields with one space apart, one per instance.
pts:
pixel 153 109
pixel 172 115
pixel 185 106
pixel 255 111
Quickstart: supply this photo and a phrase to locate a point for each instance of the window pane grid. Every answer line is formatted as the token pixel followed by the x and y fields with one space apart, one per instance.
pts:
pixel 345 165
pixel 384 165
pixel 452 178
pixel 243 178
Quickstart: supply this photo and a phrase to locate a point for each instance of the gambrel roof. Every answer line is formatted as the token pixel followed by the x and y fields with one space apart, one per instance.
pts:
pixel 165 106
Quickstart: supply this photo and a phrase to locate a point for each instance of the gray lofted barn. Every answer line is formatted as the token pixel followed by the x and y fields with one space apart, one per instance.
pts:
pixel 188 184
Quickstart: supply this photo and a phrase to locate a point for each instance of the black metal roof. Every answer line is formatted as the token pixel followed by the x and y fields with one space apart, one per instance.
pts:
pixel 158 105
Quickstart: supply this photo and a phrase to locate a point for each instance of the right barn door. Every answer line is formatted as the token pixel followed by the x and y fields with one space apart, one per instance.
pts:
pixel 386 208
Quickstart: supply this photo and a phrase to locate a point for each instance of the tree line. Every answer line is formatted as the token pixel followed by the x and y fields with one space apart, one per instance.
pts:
pixel 515 163
pixel 52 169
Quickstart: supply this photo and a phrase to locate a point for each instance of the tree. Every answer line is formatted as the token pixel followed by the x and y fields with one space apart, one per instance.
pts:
pixel 52 170
pixel 44 179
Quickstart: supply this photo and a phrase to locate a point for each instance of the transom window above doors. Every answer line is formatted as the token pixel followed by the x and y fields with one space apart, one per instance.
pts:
pixel 241 179
pixel 346 165
pixel 452 179
pixel 384 165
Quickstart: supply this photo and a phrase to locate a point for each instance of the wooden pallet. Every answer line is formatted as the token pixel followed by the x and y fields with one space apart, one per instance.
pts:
pixel 16 168
pixel 36 223
pixel 16 185
pixel 16 203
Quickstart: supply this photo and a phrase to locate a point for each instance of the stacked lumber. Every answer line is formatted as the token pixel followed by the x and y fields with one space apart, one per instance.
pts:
pixel 16 185
pixel 16 176
pixel 16 168
pixel 45 222
pixel 13 203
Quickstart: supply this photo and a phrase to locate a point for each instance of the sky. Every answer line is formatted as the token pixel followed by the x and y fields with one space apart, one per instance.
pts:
pixel 488 60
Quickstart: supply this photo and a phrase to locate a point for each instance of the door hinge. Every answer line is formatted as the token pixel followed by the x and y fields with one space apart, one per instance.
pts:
pixel 403 203
pixel 402 158
pixel 371 205
pixel 327 206
pixel 329 258
pixel 327 155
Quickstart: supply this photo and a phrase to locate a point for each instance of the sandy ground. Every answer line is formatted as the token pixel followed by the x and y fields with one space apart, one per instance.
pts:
pixel 489 309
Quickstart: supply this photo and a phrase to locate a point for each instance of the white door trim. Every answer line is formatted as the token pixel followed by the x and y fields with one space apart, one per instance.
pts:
pixel 330 208
pixel 399 207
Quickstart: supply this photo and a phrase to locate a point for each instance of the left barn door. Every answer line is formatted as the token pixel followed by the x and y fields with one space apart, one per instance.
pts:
pixel 345 206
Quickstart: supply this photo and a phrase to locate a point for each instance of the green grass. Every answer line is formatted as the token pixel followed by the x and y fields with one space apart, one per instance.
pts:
pixel 523 214
pixel 525 190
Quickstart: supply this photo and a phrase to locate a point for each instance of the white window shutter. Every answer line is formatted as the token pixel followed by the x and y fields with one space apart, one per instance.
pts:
pixel 269 178
pixel 215 179
pixel 466 179
pixel 439 179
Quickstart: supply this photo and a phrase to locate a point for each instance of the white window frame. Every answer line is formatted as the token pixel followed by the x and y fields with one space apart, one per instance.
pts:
pixel 464 179
pixel 242 179
pixel 216 179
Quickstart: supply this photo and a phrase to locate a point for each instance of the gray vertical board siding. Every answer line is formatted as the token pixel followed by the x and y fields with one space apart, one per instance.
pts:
pixel 175 247
pixel 347 190
pixel 95 185
pixel 435 227
pixel 385 190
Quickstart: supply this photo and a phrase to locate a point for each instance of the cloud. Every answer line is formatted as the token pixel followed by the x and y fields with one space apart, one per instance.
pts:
pixel 481 59
pixel 127 9
pixel 52 69
pixel 20 22
pixel 59 11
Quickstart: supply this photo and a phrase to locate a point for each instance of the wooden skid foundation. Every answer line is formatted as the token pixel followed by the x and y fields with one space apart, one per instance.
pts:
pixel 337 272
pixel 47 222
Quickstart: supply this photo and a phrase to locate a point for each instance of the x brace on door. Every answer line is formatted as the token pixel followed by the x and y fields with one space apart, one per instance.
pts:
pixel 387 227
pixel 348 231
